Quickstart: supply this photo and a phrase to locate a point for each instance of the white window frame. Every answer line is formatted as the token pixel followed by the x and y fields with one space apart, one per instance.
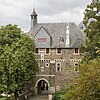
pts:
pixel 46 64
pixel 76 63
pixel 41 51
pixel 76 53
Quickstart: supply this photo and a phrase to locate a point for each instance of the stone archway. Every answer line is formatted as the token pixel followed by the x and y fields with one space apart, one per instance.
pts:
pixel 42 86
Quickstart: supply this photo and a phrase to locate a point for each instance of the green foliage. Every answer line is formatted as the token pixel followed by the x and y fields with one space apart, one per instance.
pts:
pixel 60 95
pixel 87 87
pixel 18 66
pixel 92 23
pixel 11 97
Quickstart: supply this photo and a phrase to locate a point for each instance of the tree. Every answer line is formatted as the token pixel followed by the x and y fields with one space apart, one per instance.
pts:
pixel 87 87
pixel 18 64
pixel 92 23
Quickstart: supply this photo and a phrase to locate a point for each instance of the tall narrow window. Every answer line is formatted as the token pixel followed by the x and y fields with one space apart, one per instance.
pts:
pixel 76 50
pixel 58 67
pixel 59 50
pixel 76 66
pixel 76 69
pixel 37 51
pixel 47 50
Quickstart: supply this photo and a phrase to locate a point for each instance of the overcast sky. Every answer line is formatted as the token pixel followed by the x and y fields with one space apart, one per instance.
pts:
pixel 19 11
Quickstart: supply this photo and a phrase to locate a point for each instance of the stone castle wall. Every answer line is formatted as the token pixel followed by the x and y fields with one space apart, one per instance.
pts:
pixel 48 67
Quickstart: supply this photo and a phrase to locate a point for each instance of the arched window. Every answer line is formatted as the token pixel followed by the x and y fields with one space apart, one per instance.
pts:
pixel 58 67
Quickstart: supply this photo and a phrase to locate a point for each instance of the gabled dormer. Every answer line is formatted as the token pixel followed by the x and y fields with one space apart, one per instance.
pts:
pixel 42 38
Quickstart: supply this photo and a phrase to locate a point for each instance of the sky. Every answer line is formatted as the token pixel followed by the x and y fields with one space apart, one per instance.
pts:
pixel 49 11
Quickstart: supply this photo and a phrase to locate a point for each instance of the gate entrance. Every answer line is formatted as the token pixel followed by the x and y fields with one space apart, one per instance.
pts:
pixel 42 87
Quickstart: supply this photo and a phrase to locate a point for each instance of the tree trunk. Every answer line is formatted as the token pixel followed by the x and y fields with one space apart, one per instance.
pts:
pixel 16 95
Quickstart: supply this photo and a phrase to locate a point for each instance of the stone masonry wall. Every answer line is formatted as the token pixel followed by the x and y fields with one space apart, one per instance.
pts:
pixel 67 73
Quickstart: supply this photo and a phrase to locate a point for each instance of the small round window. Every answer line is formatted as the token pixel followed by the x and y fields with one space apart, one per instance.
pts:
pixel 47 65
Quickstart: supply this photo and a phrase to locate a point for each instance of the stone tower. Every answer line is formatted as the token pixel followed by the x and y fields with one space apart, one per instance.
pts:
pixel 57 54
pixel 33 18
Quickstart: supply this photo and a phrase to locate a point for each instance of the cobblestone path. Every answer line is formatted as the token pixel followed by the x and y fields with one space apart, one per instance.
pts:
pixel 39 97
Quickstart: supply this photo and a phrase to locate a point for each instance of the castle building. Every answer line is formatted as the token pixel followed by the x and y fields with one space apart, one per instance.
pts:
pixel 57 53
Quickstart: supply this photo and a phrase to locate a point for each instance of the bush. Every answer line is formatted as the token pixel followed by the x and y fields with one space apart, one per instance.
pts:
pixel 60 95
pixel 7 98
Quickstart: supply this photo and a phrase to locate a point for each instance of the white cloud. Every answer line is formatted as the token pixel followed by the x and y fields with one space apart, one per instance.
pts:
pixel 18 11
pixel 66 16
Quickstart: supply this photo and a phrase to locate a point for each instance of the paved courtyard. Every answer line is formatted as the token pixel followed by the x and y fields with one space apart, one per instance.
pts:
pixel 39 97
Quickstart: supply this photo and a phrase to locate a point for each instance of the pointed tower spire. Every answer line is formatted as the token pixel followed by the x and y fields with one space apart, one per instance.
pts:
pixel 33 18
pixel 34 13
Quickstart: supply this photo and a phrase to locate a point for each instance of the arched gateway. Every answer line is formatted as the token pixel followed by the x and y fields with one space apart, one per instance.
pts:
pixel 42 86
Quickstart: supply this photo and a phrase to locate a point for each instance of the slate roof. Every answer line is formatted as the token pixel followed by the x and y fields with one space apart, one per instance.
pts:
pixel 56 30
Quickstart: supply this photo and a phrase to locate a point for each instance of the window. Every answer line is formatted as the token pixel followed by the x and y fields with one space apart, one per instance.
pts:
pixel 61 40
pixel 76 66
pixel 37 51
pixel 59 50
pixel 42 61
pixel 76 69
pixel 47 50
pixel 58 67
pixel 76 50
pixel 35 17
pixel 47 65
pixel 81 26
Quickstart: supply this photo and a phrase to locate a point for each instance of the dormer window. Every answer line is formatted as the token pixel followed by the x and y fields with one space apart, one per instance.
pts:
pixel 61 40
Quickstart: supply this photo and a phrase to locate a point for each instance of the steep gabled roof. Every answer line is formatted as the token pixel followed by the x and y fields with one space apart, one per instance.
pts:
pixel 57 30
pixel 43 29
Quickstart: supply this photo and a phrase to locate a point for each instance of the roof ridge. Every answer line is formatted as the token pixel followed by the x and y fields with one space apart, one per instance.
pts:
pixel 56 23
